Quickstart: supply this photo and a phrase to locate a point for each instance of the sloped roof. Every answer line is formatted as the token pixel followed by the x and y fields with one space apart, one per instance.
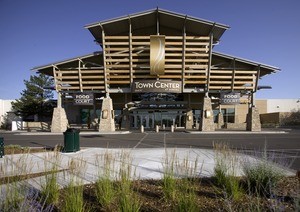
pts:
pixel 226 60
pixel 156 21
pixel 94 59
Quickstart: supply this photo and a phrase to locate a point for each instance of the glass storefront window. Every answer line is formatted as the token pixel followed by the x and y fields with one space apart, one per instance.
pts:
pixel 229 115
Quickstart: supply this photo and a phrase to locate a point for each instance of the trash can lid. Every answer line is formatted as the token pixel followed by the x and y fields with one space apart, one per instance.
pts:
pixel 74 130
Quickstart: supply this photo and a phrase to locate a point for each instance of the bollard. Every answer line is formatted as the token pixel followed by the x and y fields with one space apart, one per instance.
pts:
pixel 157 128
pixel 172 128
pixel 142 129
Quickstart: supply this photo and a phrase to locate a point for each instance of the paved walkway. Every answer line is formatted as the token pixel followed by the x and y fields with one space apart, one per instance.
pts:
pixel 265 131
pixel 87 165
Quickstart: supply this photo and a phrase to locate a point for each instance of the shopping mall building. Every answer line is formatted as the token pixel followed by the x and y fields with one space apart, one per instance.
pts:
pixel 156 68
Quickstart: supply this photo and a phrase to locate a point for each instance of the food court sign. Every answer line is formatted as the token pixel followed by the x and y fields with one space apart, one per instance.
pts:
pixel 230 98
pixel 83 99
pixel 156 86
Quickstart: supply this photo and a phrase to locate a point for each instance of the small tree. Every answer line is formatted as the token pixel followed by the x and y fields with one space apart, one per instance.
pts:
pixel 34 98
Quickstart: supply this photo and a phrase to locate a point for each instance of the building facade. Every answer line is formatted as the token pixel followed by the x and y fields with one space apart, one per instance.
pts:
pixel 5 107
pixel 155 68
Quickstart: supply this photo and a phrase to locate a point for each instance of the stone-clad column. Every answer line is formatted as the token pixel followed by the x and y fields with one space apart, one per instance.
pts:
pixel 107 121
pixel 207 121
pixel 189 120
pixel 220 120
pixel 253 120
pixel 59 118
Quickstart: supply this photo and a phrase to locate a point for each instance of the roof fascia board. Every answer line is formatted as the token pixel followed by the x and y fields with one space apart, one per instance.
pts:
pixel 190 18
pixel 65 61
pixel 121 18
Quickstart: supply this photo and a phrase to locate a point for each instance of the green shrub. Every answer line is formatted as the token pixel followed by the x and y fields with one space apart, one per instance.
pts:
pixel 261 177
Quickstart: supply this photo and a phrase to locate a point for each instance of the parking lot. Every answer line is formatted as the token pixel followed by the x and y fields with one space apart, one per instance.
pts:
pixel 282 145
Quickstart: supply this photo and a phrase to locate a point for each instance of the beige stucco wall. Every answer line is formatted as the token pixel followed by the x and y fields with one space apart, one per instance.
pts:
pixel 5 106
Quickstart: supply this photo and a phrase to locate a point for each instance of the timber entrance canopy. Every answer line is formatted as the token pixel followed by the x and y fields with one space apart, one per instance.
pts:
pixel 186 56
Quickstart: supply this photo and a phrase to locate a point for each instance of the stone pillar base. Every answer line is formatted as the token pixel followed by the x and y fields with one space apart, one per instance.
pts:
pixel 220 124
pixel 189 120
pixel 207 121
pixel 107 121
pixel 59 120
pixel 253 120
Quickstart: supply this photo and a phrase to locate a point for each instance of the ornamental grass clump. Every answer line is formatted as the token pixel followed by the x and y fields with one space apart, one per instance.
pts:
pixel 73 198
pixel 12 198
pixel 13 193
pixel 262 175
pixel 169 180
pixel 128 200
pixel 225 171
pixel 50 189
pixel 186 196
pixel 104 186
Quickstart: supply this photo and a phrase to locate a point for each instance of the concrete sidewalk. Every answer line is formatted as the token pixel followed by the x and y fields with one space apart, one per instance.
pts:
pixel 121 132
pixel 87 165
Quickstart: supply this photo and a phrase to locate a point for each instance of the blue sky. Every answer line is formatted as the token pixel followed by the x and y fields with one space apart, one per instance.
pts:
pixel 39 32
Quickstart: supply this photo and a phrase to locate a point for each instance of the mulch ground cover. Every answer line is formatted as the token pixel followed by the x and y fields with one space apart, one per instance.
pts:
pixel 209 197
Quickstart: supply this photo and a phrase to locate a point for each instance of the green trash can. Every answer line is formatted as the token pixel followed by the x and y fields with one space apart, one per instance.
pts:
pixel 71 140
pixel 1 147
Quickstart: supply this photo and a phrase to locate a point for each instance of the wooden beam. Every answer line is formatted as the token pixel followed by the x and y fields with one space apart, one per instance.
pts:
pixel 183 55
pixel 68 71
pixel 197 66
pixel 157 22
pixel 55 78
pixel 119 77
pixel 198 38
pixel 195 77
pixel 92 72
pixel 233 75
pixel 119 82
pixel 66 77
pixel 104 58
pixel 79 75
pixel 196 54
pixel 220 77
pixel 209 63
pixel 116 37
pixel 70 82
pixel 201 82
pixel 92 77
pixel 244 82
pixel 130 53
pixel 257 77
pixel 92 82
pixel 117 43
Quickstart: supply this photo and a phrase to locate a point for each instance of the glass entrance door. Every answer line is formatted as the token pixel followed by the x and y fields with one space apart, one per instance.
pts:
pixel 168 118
pixel 149 119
